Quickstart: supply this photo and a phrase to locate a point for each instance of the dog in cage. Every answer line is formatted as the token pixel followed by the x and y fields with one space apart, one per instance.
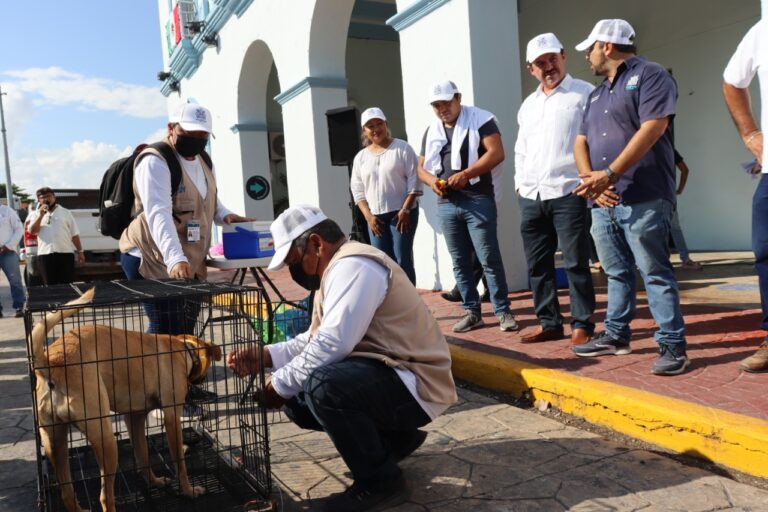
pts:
pixel 94 370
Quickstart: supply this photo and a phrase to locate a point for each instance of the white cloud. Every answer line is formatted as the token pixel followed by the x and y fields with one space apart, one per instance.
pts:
pixel 57 86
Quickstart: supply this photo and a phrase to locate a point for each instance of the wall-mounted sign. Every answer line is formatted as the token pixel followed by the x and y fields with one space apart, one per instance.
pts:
pixel 257 187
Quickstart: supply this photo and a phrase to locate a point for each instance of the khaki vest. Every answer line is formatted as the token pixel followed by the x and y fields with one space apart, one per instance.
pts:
pixel 187 205
pixel 403 333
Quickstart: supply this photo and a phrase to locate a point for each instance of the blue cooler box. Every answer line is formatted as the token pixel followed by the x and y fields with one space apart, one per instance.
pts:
pixel 248 240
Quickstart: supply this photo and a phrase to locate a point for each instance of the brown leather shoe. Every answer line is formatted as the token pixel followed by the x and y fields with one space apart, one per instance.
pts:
pixel 541 334
pixel 757 362
pixel 580 336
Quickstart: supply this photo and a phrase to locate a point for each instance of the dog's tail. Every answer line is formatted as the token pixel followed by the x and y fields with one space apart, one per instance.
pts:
pixel 41 329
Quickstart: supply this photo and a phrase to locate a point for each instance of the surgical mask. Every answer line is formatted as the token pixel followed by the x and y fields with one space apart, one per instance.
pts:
pixel 188 146
pixel 309 282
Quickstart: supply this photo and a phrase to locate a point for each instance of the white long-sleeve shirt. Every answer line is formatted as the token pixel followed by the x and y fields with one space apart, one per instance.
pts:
pixel 384 180
pixel 354 288
pixel 153 184
pixel 544 161
pixel 11 228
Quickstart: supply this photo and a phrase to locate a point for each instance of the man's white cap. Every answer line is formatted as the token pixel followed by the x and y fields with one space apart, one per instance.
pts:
pixel 372 113
pixel 193 118
pixel 609 31
pixel 288 226
pixel 541 44
pixel 442 91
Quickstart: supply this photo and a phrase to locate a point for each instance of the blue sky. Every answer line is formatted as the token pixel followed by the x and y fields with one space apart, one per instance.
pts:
pixel 81 86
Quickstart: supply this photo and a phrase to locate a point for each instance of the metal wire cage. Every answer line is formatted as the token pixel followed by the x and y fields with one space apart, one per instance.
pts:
pixel 121 415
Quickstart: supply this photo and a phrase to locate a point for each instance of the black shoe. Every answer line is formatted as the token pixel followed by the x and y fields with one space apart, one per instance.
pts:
pixel 403 448
pixel 359 498
pixel 197 395
pixel 1 313
pixel 452 296
pixel 19 313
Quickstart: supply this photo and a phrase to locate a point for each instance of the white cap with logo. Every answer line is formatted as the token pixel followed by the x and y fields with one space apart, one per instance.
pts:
pixel 288 226
pixel 443 91
pixel 541 44
pixel 193 118
pixel 609 31
pixel 371 113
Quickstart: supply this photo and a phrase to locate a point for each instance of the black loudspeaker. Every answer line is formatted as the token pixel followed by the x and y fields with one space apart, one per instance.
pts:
pixel 343 134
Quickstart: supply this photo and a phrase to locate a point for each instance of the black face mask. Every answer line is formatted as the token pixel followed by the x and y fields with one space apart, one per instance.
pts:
pixel 188 146
pixel 309 282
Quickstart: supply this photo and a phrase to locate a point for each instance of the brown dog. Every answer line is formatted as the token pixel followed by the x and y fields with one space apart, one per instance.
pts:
pixel 95 369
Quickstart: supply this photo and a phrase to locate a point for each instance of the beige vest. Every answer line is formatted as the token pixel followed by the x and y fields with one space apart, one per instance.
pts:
pixel 187 205
pixel 403 332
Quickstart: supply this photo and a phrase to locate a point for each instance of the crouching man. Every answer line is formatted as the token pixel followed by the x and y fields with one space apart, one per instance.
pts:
pixel 373 366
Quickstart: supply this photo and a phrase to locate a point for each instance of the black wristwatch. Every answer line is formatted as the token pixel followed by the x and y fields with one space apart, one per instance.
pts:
pixel 612 176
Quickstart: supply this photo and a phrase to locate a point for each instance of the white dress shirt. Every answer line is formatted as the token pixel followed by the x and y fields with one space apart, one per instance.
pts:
pixel 544 162
pixel 56 231
pixel 752 57
pixel 354 288
pixel 11 228
pixel 385 179
pixel 153 184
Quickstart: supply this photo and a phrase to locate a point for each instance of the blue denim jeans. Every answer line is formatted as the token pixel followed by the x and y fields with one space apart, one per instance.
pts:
pixel 635 236
pixel 165 316
pixel 760 242
pixel 677 236
pixel 398 246
pixel 9 263
pixel 365 409
pixel 542 223
pixel 470 222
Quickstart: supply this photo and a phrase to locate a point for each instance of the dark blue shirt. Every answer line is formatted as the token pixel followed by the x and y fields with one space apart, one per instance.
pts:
pixel 641 91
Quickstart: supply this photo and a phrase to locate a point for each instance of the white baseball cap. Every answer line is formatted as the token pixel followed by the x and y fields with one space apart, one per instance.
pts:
pixel 442 91
pixel 193 118
pixel 541 44
pixel 288 226
pixel 609 31
pixel 371 113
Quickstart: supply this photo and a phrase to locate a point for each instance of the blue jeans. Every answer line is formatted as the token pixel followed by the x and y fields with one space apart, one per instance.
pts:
pixel 760 242
pixel 365 409
pixel 9 263
pixel 165 316
pixel 542 224
pixel 398 246
pixel 677 236
pixel 470 222
pixel 630 236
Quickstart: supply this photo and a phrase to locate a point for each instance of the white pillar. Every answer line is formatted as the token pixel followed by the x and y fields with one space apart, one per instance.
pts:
pixel 474 44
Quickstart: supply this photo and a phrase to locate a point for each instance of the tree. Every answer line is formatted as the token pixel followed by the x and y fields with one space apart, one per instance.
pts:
pixel 17 191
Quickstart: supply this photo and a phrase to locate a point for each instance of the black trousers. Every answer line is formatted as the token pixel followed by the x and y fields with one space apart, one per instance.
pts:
pixel 56 268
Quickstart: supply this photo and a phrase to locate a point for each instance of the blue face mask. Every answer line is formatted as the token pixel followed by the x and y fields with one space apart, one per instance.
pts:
pixel 306 281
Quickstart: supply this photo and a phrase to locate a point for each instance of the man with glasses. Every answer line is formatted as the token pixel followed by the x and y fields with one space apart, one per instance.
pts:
pixel 371 370
pixel 626 160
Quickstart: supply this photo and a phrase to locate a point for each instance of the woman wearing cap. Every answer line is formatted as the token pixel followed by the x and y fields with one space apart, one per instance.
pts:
pixel 385 185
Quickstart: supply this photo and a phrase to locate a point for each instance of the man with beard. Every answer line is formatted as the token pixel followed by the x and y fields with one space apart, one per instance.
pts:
pixel 373 366
pixel 58 239
pixel 625 157
pixel 545 178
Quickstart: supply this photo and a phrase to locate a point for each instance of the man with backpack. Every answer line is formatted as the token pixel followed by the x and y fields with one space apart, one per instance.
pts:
pixel 171 234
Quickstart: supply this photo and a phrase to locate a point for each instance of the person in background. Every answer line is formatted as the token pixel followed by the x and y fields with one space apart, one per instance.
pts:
pixel 11 231
pixel 675 229
pixel 748 60
pixel 385 186
pixel 58 239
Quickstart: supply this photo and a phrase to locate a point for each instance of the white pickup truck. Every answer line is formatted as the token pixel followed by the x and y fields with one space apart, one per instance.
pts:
pixel 102 257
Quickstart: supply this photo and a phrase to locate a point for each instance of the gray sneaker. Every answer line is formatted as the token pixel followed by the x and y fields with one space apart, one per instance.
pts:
pixel 468 322
pixel 672 360
pixel 507 322
pixel 600 345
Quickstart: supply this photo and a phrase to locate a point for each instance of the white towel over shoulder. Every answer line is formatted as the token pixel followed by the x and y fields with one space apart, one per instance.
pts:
pixel 469 122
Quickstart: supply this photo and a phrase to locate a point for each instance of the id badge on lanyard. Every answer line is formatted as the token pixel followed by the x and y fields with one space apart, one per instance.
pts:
pixel 193 231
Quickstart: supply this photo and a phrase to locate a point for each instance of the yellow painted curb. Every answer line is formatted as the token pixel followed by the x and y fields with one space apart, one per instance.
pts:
pixel 734 440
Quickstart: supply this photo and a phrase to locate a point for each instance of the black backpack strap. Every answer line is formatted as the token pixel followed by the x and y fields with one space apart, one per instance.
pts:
pixel 207 159
pixel 169 155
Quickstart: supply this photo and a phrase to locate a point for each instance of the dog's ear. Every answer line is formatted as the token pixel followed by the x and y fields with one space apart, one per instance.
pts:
pixel 214 351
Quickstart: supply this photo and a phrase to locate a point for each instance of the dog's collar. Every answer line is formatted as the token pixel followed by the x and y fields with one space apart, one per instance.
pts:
pixel 196 374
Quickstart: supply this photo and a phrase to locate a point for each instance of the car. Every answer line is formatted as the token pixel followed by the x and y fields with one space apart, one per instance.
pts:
pixel 102 256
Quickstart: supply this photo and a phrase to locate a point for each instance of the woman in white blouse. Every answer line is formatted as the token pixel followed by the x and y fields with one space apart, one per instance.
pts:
pixel 384 186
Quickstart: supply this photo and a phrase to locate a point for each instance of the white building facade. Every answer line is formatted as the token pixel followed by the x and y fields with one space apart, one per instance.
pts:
pixel 270 69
